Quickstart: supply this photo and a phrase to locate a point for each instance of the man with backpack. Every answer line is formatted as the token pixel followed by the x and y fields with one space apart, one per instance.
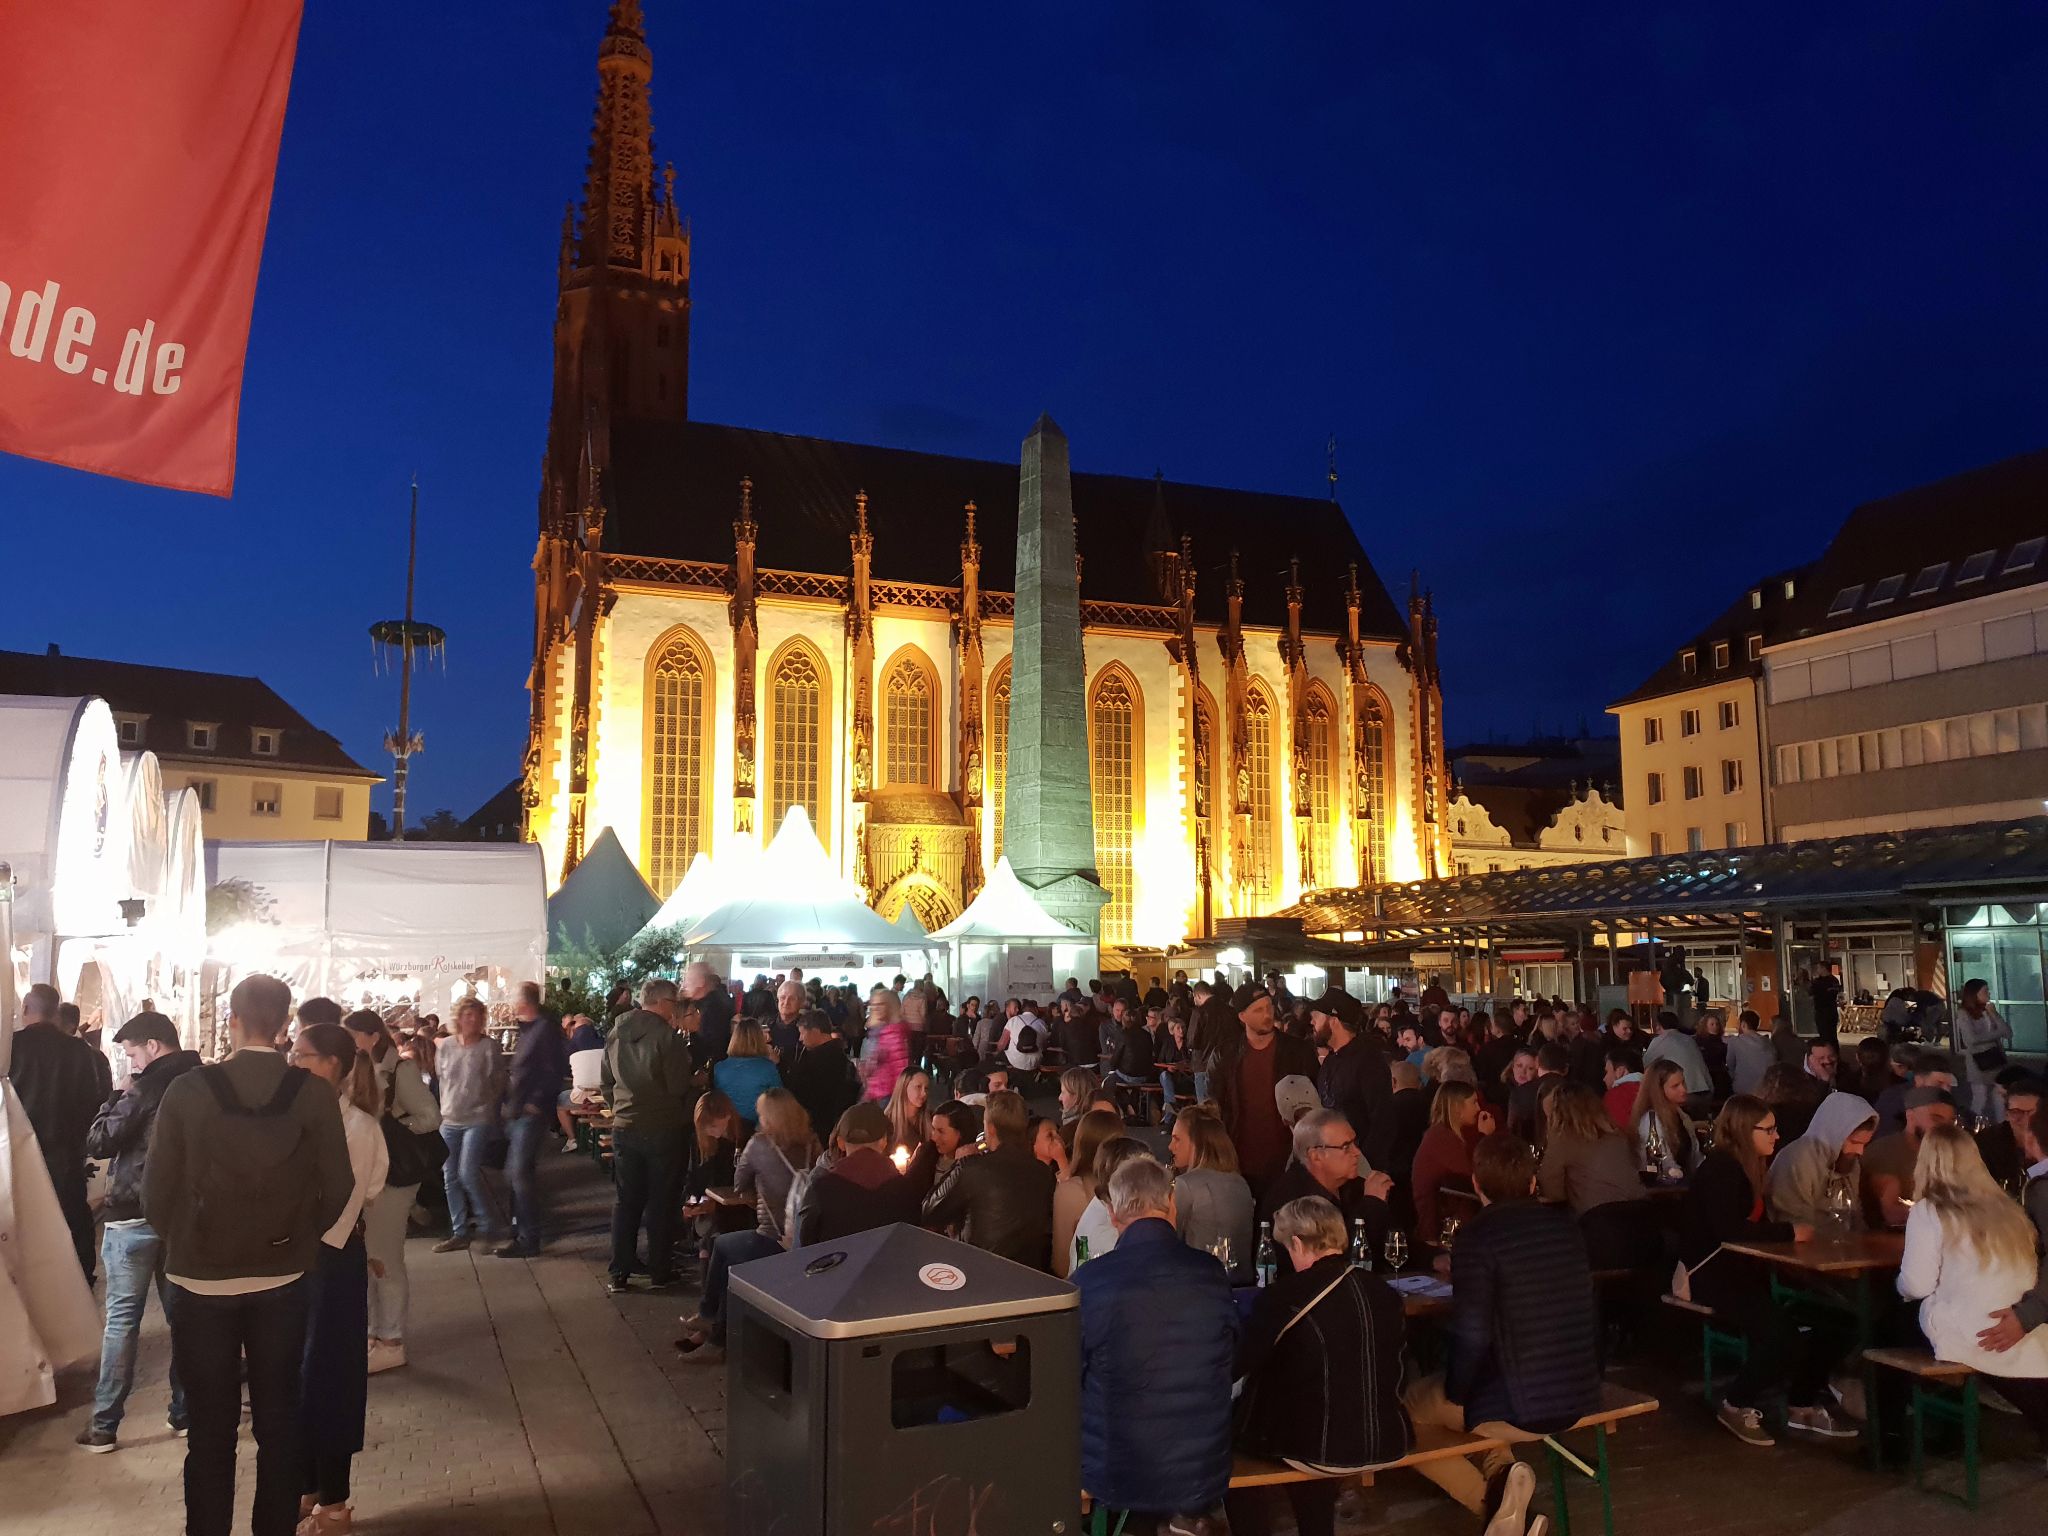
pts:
pixel 247 1168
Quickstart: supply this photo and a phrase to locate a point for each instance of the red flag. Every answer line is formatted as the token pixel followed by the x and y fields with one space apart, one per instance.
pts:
pixel 140 142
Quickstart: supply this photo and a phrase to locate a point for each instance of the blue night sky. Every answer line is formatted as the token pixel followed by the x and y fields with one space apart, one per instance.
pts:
pixel 1610 307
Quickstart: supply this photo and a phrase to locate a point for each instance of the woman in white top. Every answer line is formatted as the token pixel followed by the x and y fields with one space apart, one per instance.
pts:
pixel 335 1391
pixel 402 1093
pixel 1970 1253
pixel 1095 1229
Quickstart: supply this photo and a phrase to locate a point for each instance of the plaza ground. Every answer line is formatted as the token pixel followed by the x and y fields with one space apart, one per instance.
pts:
pixel 535 1405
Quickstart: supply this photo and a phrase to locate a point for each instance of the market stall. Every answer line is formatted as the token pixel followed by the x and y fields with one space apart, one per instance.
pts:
pixel 1006 945
pixel 603 903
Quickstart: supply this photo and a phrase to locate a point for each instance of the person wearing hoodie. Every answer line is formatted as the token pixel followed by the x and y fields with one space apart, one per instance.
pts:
pixel 649 1082
pixel 1803 1174
pixel 861 1188
pixel 131 1252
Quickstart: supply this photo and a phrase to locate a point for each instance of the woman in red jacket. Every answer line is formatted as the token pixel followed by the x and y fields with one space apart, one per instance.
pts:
pixel 1457 1120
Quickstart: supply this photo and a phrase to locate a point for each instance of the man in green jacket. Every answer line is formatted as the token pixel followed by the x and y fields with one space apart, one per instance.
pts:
pixel 649 1082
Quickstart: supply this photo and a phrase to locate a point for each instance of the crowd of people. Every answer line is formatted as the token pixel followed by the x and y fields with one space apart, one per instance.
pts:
pixel 1310 1145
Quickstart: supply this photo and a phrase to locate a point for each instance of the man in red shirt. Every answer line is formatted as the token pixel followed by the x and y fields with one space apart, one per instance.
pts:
pixel 1250 1061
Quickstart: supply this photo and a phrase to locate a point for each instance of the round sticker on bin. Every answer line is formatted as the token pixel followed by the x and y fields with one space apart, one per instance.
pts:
pixel 942 1277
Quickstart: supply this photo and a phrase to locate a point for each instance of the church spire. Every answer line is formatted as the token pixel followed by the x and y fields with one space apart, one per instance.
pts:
pixel 618 187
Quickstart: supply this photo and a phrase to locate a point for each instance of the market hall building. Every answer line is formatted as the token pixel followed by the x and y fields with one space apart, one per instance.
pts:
pixel 730 622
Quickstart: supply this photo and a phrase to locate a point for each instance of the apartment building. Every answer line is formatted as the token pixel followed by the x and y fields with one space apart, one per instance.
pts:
pixel 262 770
pixel 1692 736
pixel 1911 687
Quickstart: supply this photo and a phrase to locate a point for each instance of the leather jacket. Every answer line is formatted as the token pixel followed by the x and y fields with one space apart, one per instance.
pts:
pixel 121 1132
pixel 1001 1201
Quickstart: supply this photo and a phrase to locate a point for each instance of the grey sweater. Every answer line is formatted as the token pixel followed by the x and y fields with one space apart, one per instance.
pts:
pixel 472 1077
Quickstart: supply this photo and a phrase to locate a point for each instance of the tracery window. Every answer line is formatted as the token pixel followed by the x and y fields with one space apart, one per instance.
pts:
pixel 1372 736
pixel 796 737
pixel 1114 739
pixel 996 727
pixel 1264 874
pixel 909 720
pixel 678 738
pixel 1319 744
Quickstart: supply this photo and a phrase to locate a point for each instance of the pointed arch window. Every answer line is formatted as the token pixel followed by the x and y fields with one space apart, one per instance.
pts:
pixel 797 761
pixel 678 812
pixel 997 730
pixel 910 712
pixel 1115 772
pixel 1372 784
pixel 1264 875
pixel 1319 746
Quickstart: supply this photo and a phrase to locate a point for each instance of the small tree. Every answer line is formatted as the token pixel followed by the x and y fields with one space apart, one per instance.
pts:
pixel 581 977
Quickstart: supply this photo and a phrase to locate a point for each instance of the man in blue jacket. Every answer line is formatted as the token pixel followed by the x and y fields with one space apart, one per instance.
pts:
pixel 1158 1341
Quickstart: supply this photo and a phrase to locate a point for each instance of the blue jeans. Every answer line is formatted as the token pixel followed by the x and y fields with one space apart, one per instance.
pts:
pixel 130 1254
pixel 463 1177
pixel 727 1250
pixel 526 1133
pixel 1169 1096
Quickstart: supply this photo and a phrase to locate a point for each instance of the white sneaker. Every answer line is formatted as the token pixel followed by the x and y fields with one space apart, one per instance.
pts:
pixel 1512 1516
pixel 386 1354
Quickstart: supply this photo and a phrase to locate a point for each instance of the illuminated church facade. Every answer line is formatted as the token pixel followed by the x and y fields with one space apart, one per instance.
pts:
pixel 731 621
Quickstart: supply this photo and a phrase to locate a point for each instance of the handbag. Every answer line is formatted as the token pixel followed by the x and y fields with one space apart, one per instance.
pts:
pixel 415 1155
pixel 1990 1059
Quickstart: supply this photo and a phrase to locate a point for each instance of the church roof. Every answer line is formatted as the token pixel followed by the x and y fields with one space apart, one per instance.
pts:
pixel 674 489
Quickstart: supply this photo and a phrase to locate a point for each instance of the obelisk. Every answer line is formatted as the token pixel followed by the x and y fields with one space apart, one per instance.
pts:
pixel 1048 811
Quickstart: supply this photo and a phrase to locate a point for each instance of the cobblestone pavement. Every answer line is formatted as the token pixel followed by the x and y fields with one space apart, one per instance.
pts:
pixel 535 1404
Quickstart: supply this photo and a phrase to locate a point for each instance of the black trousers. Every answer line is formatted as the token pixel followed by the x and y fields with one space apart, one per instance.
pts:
pixel 67 1174
pixel 1314 1504
pixel 1780 1354
pixel 210 1336
pixel 647 1167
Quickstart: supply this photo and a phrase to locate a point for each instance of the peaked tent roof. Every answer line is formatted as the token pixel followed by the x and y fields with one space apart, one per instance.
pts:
pixel 604 902
pixel 696 894
pixel 907 922
pixel 1006 909
pixel 794 897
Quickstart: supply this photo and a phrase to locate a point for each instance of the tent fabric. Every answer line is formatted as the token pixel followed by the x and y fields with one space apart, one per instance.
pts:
pixel 907 924
pixel 691 899
pixel 604 902
pixel 1004 908
pixel 793 897
pixel 63 825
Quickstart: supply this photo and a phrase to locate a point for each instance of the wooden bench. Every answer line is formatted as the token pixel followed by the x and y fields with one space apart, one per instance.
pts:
pixel 1713 1337
pixel 1933 1381
pixel 1442 1445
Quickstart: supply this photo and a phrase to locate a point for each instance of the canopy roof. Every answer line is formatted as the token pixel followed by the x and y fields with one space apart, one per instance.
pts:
pixel 64 818
pixel 604 902
pixel 1006 909
pixel 1985 861
pixel 793 898
pixel 692 898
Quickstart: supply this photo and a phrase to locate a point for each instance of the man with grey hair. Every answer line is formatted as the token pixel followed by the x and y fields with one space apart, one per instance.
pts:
pixel 789 1005
pixel 649 1082
pixel 714 1010
pixel 1158 1343
pixel 1326 1163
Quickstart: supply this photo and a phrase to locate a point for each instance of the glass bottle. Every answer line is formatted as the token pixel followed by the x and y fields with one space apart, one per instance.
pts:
pixel 1269 1256
pixel 1361 1246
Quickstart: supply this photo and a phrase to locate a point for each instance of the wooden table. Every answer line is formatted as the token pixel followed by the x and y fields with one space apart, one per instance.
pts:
pixel 732 1211
pixel 1851 1260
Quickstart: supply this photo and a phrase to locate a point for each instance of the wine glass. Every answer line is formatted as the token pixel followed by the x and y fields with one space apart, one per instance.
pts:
pixel 1396 1249
pixel 1220 1251
pixel 1450 1233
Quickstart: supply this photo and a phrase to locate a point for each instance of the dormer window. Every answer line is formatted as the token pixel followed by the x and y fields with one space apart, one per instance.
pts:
pixel 1846 601
pixel 1886 590
pixel 201 735
pixel 1689 662
pixel 1791 587
pixel 129 729
pixel 1756 597
pixel 1928 579
pixel 264 742
pixel 1756 647
pixel 1720 654
pixel 2025 555
pixel 1977 567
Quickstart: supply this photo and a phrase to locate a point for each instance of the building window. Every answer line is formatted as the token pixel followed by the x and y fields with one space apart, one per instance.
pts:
pixel 997 729
pixel 1318 742
pixel 1731 714
pixel 326 803
pixel 205 789
pixel 678 737
pixel 909 715
pixel 1373 798
pixel 1695 840
pixel 1735 833
pixel 1695 783
pixel 1653 730
pixel 2025 555
pixel 265 743
pixel 1263 876
pixel 1977 567
pixel 1656 789
pixel 266 799
pixel 796 737
pixel 1688 662
pixel 1885 590
pixel 1756 647
pixel 1464 866
pixel 1656 844
pixel 1720 653
pixel 1688 722
pixel 1756 597
pixel 1114 744
pixel 1731 775
pixel 199 737
pixel 129 729
pixel 1928 580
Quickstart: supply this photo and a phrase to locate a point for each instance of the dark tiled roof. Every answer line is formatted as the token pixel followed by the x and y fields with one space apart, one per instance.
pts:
pixel 1523 811
pixel 170 696
pixel 1927 537
pixel 674 491
pixel 1735 624
pixel 499 818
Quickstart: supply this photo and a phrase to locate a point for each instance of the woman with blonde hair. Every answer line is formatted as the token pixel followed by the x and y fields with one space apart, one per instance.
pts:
pixel 888 1047
pixel 1589 1163
pixel 1071 1195
pixel 1212 1204
pixel 1457 1122
pixel 783 1144
pixel 1662 1129
pixel 1970 1252
pixel 909 1110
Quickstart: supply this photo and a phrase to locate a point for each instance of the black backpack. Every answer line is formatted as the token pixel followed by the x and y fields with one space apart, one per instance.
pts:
pixel 1027 1039
pixel 255 1191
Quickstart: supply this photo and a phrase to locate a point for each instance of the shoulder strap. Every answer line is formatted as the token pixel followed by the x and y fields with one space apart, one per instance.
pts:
pixel 287 1090
pixel 216 1079
pixel 1342 1275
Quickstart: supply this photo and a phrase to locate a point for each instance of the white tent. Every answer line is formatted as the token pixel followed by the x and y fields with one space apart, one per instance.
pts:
pixel 1006 945
pixel 907 924
pixel 691 899
pixel 384 922
pixel 793 908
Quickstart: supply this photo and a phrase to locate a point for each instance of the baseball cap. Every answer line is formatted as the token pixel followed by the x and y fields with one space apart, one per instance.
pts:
pixel 1921 1097
pixel 1246 995
pixel 1294 1096
pixel 864 1124
pixel 147 1026
pixel 1340 1003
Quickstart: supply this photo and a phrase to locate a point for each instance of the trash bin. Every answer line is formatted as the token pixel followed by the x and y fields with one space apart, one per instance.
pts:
pixel 901 1384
